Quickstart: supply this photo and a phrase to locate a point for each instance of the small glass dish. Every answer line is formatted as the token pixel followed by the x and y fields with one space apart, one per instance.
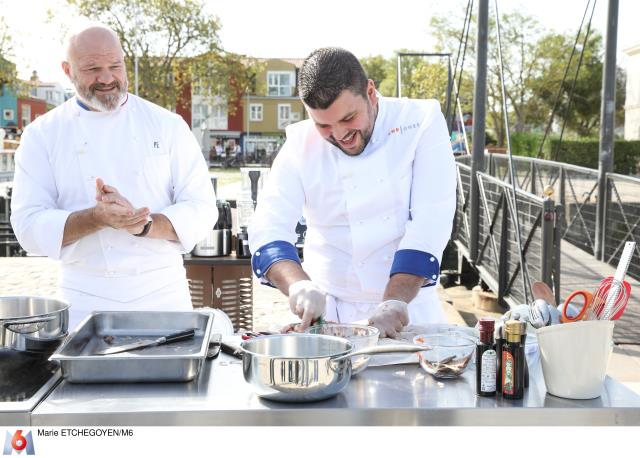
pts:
pixel 449 356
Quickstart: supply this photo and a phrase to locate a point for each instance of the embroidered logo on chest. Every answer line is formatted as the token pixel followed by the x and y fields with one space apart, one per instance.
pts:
pixel 403 129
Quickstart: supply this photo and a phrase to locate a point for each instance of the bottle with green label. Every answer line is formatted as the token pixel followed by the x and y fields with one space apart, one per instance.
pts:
pixel 513 360
pixel 486 359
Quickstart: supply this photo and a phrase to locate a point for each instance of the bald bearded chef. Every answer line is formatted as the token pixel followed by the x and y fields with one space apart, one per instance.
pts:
pixel 112 186
pixel 375 180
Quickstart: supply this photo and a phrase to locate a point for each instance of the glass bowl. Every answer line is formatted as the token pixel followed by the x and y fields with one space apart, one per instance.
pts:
pixel 360 336
pixel 450 354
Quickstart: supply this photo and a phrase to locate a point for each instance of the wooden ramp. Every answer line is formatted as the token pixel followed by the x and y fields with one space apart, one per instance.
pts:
pixel 580 270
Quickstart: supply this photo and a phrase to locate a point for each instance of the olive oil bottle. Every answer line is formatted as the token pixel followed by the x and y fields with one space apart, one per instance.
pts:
pixel 513 360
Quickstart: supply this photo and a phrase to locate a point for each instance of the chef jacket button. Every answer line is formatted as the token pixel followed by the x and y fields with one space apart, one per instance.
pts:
pixel 434 276
pixel 386 218
pixel 257 253
pixel 432 259
pixel 380 180
pixel 258 271
pixel 360 222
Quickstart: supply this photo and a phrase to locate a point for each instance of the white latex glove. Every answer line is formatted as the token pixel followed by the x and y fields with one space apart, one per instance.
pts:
pixel 307 301
pixel 390 317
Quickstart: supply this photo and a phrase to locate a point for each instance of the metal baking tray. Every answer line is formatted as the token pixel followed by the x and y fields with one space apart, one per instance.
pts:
pixel 174 362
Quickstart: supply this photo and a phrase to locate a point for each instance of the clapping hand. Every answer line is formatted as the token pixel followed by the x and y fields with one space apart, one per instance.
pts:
pixel 114 210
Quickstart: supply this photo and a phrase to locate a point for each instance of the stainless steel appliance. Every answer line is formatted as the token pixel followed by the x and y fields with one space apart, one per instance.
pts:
pixel 218 242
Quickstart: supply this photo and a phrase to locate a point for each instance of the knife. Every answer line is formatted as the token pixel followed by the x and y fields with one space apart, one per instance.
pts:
pixel 175 337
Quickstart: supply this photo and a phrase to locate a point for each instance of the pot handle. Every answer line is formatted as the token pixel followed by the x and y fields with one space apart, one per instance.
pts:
pixel 18 325
pixel 385 349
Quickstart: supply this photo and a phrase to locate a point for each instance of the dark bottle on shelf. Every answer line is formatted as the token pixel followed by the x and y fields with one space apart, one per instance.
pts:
pixel 486 362
pixel 513 360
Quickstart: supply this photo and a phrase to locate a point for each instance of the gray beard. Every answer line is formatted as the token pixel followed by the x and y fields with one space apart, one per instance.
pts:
pixel 111 103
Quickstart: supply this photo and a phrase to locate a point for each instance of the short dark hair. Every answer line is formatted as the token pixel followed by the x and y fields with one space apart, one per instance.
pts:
pixel 326 73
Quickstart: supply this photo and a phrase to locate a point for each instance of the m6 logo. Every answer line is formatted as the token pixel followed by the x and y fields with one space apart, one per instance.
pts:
pixel 19 443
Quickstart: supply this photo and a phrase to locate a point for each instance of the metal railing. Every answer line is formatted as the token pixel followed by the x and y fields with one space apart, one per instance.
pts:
pixel 622 219
pixel 575 188
pixel 498 260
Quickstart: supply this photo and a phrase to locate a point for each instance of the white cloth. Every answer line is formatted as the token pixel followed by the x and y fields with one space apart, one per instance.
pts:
pixel 425 308
pixel 151 157
pixel 400 193
pixel 172 297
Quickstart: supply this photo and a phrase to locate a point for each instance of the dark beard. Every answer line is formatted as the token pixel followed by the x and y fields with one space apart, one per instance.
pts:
pixel 366 137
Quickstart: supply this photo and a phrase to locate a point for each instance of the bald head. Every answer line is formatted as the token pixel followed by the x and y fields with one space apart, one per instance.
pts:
pixel 95 65
pixel 94 39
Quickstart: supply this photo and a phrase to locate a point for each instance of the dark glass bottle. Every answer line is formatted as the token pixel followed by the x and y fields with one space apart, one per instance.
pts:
pixel 523 341
pixel 499 336
pixel 486 362
pixel 513 360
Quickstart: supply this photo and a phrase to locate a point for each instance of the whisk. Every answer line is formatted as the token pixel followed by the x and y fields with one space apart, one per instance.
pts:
pixel 620 292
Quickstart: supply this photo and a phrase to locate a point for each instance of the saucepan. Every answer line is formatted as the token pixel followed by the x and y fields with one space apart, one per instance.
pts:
pixel 31 323
pixel 304 367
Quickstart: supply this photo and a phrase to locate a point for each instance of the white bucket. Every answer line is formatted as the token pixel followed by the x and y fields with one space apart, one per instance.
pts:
pixel 575 356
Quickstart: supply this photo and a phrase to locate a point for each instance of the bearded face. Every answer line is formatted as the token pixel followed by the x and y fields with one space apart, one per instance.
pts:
pixel 101 96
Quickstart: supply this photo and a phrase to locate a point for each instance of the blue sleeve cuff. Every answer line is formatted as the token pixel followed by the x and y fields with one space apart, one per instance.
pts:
pixel 269 254
pixel 418 263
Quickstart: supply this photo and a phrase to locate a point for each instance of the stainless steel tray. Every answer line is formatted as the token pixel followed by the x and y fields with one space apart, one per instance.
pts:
pixel 173 362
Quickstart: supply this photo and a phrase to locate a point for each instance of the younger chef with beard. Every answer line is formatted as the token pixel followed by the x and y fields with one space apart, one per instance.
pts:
pixel 375 180
pixel 112 186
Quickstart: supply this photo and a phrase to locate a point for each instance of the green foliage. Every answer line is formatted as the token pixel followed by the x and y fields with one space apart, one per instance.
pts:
pixel 534 62
pixel 176 43
pixel 422 78
pixel 584 152
pixel 8 74
pixel 526 143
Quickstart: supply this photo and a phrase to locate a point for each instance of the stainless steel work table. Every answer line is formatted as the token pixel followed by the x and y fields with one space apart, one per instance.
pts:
pixel 390 395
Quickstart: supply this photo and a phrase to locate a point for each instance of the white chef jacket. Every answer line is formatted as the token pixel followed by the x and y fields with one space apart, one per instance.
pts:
pixel 388 210
pixel 146 152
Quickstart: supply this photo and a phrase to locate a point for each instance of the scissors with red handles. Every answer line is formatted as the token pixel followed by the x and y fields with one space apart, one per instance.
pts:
pixel 576 297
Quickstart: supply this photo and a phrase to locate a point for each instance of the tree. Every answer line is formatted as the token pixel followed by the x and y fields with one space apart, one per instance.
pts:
pixel 422 78
pixel 377 69
pixel 8 74
pixel 583 116
pixel 534 63
pixel 175 42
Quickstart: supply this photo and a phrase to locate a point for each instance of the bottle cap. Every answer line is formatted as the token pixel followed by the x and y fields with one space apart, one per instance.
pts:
pixel 486 324
pixel 514 330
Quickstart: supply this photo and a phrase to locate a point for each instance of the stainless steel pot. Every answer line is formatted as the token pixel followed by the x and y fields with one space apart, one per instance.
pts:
pixel 35 324
pixel 303 367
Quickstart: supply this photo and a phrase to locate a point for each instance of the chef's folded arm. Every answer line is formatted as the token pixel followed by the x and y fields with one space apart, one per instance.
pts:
pixel 433 203
pixel 38 224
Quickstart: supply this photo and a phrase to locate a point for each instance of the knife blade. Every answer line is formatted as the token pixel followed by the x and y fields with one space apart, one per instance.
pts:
pixel 175 337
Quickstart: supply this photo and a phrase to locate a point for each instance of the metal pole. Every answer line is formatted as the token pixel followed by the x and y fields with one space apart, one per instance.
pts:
pixel 479 113
pixel 547 247
pixel 607 123
pixel 448 116
pixel 398 78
